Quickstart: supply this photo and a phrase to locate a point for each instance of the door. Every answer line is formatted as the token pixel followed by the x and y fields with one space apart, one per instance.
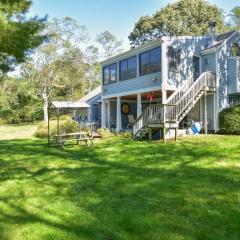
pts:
pixel 196 67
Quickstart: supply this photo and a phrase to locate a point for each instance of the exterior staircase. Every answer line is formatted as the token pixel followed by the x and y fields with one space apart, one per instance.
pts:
pixel 178 105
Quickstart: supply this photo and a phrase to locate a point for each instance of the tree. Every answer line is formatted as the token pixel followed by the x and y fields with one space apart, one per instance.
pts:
pixel 93 66
pixel 109 44
pixel 185 17
pixel 235 18
pixel 18 35
pixel 57 67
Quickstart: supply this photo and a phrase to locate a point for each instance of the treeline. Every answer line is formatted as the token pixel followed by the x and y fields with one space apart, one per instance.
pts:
pixel 63 67
pixel 55 60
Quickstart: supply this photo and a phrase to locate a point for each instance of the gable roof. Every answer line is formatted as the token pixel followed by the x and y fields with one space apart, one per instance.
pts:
pixel 91 94
pixel 220 39
pixel 68 105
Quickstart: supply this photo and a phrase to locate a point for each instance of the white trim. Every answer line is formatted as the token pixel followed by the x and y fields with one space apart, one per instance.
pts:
pixel 216 124
pixel 108 114
pixel 164 70
pixel 167 38
pixel 207 51
pixel 103 112
pixel 134 92
pixel 139 104
pixel 132 51
pixel 119 115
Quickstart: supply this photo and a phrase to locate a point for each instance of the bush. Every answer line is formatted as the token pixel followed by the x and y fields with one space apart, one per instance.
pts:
pixel 125 134
pixel 229 120
pixel 105 133
pixel 66 126
pixel 26 114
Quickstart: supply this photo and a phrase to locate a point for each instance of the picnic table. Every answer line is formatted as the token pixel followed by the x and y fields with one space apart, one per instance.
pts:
pixel 77 136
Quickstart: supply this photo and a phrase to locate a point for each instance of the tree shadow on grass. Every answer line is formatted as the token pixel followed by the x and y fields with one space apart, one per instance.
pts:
pixel 131 190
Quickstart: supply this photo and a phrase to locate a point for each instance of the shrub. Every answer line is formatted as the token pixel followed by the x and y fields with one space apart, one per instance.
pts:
pixel 27 114
pixel 105 133
pixel 66 126
pixel 229 120
pixel 125 134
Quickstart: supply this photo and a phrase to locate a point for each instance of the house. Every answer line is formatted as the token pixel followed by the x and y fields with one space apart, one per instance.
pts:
pixel 93 113
pixel 171 80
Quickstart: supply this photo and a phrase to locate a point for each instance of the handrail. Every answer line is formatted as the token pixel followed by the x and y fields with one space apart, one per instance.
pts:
pixel 173 113
pixel 178 94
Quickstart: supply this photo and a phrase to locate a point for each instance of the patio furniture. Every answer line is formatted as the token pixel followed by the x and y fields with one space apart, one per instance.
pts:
pixel 131 121
pixel 60 139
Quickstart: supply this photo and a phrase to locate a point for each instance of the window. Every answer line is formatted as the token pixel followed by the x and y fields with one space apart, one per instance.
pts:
pixel 150 61
pixel 110 74
pixel 128 68
pixel 234 100
pixel 235 50
pixel 174 59
pixel 155 58
pixel 132 67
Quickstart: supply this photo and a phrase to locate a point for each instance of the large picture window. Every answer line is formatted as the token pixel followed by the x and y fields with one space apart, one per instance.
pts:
pixel 128 68
pixel 150 61
pixel 110 73
pixel 174 59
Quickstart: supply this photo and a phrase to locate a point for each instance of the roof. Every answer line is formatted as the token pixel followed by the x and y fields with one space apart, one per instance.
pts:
pixel 220 39
pixel 69 104
pixel 91 94
pixel 132 50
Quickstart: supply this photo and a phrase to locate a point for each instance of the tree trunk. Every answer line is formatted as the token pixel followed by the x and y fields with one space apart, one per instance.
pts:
pixel 45 108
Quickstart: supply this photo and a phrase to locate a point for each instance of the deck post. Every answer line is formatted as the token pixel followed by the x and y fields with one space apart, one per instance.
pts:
pixel 164 135
pixel 139 104
pixel 205 113
pixel 175 134
pixel 150 134
pixel 119 120
pixel 58 127
pixel 103 123
pixel 108 114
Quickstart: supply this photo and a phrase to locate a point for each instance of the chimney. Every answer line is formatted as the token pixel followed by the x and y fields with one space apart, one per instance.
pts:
pixel 212 26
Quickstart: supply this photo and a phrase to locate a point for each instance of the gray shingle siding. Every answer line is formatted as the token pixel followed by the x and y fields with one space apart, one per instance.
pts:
pixel 147 81
pixel 222 70
pixel 189 47
pixel 95 108
pixel 232 74
pixel 208 62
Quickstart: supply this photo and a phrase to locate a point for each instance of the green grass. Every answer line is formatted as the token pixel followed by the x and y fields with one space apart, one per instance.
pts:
pixel 17 131
pixel 121 189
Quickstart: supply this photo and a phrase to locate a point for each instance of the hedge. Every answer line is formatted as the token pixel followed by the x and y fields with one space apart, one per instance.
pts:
pixel 229 120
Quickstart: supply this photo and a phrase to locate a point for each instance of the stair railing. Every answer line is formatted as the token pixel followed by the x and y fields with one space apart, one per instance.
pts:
pixel 179 93
pixel 170 113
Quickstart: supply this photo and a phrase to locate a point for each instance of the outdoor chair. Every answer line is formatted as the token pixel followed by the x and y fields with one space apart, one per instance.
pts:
pixel 131 121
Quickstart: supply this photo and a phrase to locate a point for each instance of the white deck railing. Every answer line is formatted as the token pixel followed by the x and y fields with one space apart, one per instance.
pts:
pixel 173 113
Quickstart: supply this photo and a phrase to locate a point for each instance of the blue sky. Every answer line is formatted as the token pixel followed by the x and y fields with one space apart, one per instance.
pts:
pixel 117 16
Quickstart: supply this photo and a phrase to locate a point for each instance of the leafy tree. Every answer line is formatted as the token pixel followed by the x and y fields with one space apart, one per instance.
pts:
pixel 18 35
pixel 185 17
pixel 18 105
pixel 57 67
pixel 235 18
pixel 92 67
pixel 109 44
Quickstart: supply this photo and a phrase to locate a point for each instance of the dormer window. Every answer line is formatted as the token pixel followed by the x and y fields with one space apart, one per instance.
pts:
pixel 110 74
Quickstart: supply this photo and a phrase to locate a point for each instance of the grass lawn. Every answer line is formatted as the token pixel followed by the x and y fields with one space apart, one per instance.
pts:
pixel 17 131
pixel 121 189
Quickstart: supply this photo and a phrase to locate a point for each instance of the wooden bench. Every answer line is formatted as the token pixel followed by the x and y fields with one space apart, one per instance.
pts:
pixel 69 137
